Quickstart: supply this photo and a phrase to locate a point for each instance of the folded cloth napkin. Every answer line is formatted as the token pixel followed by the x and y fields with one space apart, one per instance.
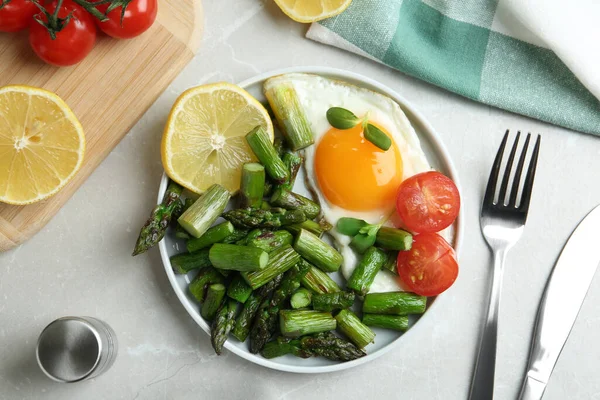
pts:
pixel 539 58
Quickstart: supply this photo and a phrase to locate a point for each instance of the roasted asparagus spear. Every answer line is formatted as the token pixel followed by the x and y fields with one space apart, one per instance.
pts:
pixel 251 218
pixel 324 344
pixel 223 324
pixel 265 323
pixel 155 227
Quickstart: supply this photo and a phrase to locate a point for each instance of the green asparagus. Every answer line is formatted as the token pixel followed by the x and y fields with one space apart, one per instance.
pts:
pixel 325 226
pixel 391 262
pixel 293 162
pixel 301 298
pixel 394 239
pixel 265 323
pixel 318 281
pixel 397 303
pixel 204 212
pixel 213 235
pixel 261 316
pixel 180 233
pixel 295 323
pixel 328 345
pixel 261 145
pixel 289 113
pixel 223 324
pixel 214 298
pixel 323 344
pixel 238 289
pixel 394 322
pixel 278 144
pixel 291 201
pixel 364 274
pixel 239 234
pixel 280 261
pixel 251 218
pixel 177 209
pixel 186 262
pixel 206 276
pixel 251 235
pixel 269 187
pixel 253 185
pixel 155 227
pixel 269 241
pixel 243 322
pixel 282 346
pixel 351 326
pixel 333 301
pixel 311 226
pixel 237 258
pixel 317 252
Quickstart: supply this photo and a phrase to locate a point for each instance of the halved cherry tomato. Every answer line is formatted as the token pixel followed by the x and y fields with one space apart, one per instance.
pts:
pixel 72 43
pixel 138 18
pixel 429 267
pixel 428 202
pixel 16 15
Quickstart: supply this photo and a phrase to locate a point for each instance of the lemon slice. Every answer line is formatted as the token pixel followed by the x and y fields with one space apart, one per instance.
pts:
pixel 312 10
pixel 41 144
pixel 204 141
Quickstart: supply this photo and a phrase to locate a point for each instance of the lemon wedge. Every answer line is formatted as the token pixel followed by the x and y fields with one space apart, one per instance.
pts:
pixel 204 140
pixel 41 144
pixel 307 11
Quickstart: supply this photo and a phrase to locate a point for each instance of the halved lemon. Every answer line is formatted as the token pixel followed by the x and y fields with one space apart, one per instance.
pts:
pixel 312 10
pixel 41 144
pixel 204 141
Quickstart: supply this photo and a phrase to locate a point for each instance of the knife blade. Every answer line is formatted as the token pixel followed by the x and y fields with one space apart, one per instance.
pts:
pixel 572 275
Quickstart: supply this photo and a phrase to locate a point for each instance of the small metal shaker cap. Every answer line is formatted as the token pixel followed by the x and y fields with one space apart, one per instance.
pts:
pixel 73 349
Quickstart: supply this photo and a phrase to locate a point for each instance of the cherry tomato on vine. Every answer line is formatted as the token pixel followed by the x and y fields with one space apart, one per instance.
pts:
pixel 428 202
pixel 138 17
pixel 15 15
pixel 74 37
pixel 429 267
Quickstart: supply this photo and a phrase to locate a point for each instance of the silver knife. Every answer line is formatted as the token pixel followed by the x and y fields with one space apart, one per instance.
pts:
pixel 572 274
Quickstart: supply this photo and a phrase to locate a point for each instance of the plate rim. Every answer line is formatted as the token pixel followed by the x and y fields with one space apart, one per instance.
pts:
pixel 442 154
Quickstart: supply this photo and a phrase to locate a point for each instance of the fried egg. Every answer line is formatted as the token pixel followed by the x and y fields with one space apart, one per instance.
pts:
pixel 349 175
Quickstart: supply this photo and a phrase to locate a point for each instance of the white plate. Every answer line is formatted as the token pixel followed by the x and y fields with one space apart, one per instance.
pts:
pixel 385 340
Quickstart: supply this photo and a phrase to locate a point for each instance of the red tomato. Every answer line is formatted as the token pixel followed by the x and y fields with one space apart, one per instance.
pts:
pixel 429 267
pixel 139 16
pixel 16 15
pixel 428 202
pixel 72 43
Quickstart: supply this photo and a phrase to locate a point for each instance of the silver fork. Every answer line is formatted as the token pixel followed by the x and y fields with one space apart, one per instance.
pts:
pixel 502 223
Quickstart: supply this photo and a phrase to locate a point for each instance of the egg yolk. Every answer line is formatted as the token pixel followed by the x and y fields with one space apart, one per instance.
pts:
pixel 355 174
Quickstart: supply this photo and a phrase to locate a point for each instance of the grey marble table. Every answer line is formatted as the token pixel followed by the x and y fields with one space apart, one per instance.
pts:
pixel 80 264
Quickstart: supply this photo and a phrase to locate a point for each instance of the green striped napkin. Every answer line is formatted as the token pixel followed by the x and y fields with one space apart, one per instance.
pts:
pixel 475 48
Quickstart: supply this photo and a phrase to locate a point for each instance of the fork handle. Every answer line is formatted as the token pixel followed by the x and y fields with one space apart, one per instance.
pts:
pixel 482 384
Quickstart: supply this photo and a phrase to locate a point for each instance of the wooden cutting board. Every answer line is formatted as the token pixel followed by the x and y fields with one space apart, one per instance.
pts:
pixel 109 91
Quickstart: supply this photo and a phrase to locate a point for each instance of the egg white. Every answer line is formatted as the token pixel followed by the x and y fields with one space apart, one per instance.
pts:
pixel 316 95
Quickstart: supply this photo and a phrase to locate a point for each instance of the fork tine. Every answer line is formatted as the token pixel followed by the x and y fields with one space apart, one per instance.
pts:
pixel 524 207
pixel 509 163
pixel 488 199
pixel 515 187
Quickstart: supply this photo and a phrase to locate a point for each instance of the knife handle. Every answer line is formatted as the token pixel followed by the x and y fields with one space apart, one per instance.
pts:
pixel 532 389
